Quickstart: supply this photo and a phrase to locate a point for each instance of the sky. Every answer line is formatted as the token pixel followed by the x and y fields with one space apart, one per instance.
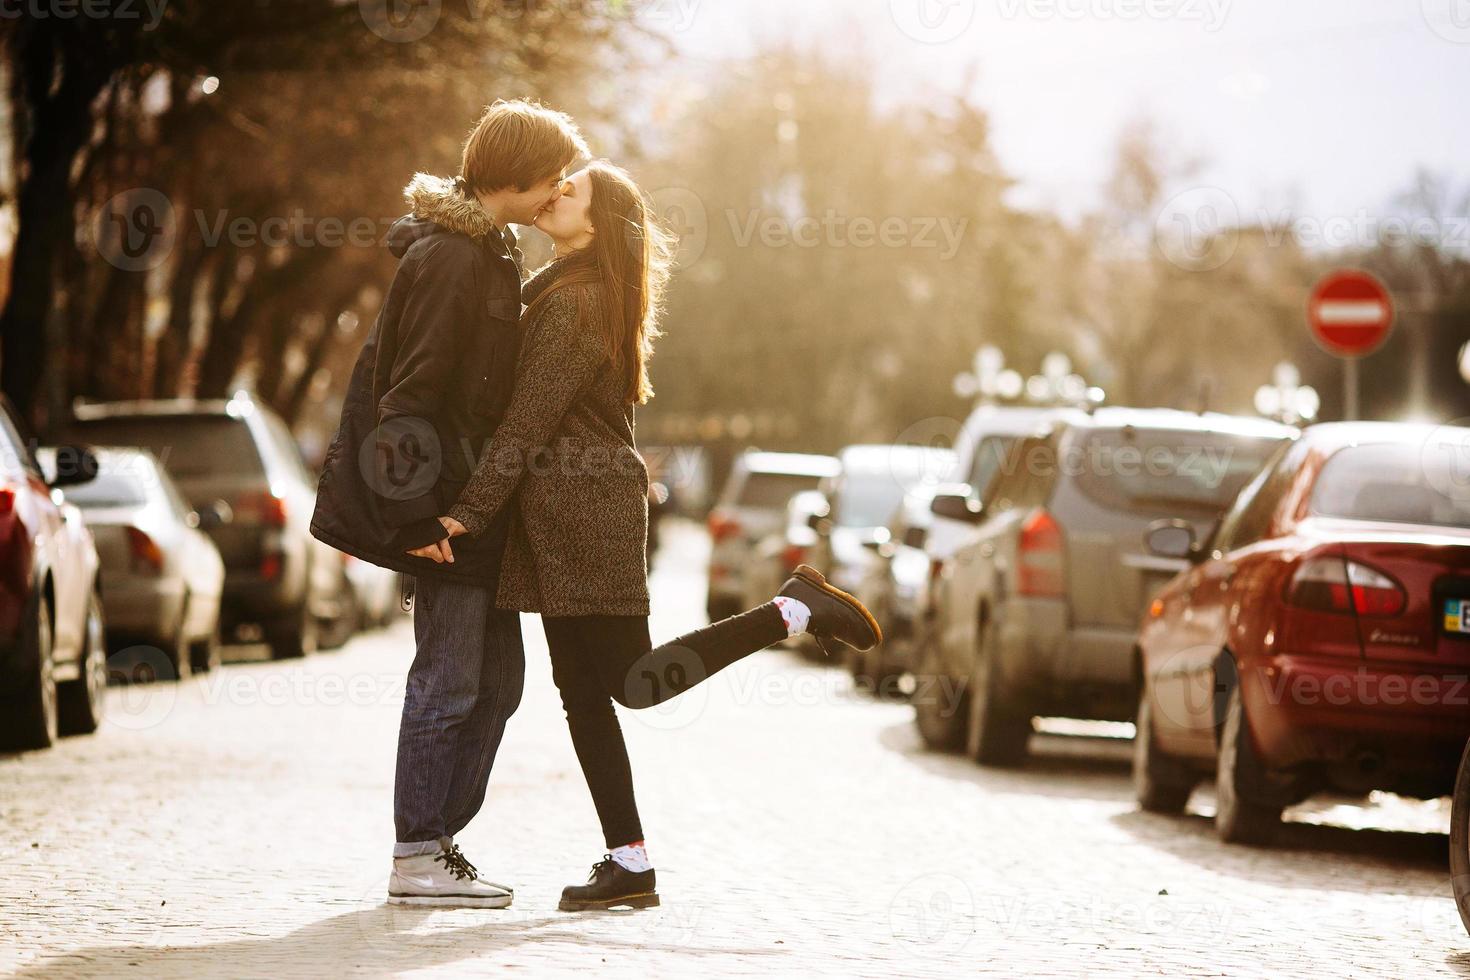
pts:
pixel 1323 107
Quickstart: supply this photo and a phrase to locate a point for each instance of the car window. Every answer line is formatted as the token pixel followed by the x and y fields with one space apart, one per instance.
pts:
pixel 772 491
pixel 1026 475
pixel 1393 482
pixel 1249 518
pixel 287 446
pixel 111 488
pixel 1152 470
pixel 187 445
pixel 989 455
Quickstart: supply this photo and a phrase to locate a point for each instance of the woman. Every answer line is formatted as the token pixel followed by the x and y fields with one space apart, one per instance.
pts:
pixel 564 456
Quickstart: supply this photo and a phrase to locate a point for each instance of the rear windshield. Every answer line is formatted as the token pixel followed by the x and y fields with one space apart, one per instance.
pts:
pixel 109 490
pixel 869 499
pixel 989 456
pixel 772 491
pixel 1401 484
pixel 187 445
pixel 1165 469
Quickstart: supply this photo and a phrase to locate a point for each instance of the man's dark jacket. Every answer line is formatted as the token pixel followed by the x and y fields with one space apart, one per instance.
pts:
pixel 432 382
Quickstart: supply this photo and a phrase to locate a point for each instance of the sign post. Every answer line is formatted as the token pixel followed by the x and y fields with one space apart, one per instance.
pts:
pixel 1350 314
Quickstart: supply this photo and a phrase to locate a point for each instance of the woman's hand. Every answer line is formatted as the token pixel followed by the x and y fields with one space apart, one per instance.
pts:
pixel 439 551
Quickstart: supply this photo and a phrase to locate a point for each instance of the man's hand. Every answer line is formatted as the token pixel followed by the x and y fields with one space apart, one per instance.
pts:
pixel 439 551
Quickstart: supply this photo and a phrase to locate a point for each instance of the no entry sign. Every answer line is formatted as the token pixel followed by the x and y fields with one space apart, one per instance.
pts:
pixel 1350 313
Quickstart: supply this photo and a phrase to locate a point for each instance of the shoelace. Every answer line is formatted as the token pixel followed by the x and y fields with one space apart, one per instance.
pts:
pixel 606 860
pixel 455 861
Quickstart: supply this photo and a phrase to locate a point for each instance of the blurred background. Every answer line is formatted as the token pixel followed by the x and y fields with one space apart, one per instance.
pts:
pixel 192 199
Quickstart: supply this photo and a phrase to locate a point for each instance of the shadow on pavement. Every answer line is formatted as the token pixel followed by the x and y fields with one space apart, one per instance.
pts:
pixel 378 941
pixel 1374 859
pixel 1064 766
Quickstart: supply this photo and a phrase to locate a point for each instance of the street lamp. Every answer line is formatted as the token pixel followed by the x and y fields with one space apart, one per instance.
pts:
pixel 1286 399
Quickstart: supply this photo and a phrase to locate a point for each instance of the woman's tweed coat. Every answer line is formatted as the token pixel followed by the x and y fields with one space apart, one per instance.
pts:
pixel 565 458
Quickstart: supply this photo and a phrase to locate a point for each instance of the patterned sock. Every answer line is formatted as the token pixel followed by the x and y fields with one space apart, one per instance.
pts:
pixel 795 612
pixel 633 857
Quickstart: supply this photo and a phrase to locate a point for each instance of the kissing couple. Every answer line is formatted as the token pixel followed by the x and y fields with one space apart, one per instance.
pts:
pixel 486 450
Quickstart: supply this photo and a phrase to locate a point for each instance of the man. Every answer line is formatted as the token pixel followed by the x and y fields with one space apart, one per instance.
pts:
pixel 432 381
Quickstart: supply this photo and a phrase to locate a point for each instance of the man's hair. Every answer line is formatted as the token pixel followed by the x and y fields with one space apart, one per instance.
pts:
pixel 518 144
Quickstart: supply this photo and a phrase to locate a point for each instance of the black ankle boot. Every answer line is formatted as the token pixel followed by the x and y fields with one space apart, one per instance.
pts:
pixel 611 886
pixel 835 614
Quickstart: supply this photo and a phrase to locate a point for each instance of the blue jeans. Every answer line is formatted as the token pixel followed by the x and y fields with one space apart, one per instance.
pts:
pixel 464 684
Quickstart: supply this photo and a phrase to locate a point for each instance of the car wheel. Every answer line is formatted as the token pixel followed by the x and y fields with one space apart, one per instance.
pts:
pixel 1241 817
pixel 31 722
pixel 1460 840
pixel 939 704
pixel 204 654
pixel 80 701
pixel 296 636
pixel 1161 783
pixel 999 732
pixel 178 644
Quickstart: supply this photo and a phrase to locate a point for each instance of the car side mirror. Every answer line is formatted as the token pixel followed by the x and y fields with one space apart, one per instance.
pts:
pixel 958 506
pixel 75 465
pixel 1170 538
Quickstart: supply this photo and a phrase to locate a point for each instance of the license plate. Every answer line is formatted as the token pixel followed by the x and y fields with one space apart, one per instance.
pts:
pixel 1457 615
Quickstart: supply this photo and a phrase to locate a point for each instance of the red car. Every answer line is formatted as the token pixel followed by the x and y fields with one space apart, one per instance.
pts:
pixel 1321 637
pixel 53 661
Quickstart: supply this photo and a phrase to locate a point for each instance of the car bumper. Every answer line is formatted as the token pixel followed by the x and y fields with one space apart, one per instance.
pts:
pixel 1081 672
pixel 1309 709
pixel 143 609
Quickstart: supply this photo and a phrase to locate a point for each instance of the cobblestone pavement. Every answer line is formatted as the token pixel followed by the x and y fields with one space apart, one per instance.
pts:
pixel 239 825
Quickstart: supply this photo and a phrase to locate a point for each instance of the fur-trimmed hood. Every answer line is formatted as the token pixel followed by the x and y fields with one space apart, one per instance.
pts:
pixel 440 204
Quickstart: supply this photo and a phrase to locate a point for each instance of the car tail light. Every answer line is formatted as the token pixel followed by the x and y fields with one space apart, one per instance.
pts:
pixel 146 556
pixel 1341 586
pixel 263 508
pixel 7 501
pixel 793 555
pixel 1039 559
pixel 722 526
pixel 270 565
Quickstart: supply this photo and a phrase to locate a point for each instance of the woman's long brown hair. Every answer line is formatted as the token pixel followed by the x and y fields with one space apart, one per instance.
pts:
pixel 628 263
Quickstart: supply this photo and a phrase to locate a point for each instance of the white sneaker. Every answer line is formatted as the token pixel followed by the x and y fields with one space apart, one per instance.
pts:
pixel 445 879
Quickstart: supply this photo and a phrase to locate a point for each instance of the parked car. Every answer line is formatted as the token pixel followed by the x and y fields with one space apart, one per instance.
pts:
pixel 236 462
pixel 1320 637
pixel 164 575
pixel 1037 611
pixel 776 555
pixel 752 505
pixel 375 593
pixel 897 586
pixel 895 589
pixel 1460 839
pixel 53 656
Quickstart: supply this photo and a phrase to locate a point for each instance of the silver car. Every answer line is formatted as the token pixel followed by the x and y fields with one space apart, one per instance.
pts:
pixel 751 506
pixel 1037 611
pixel 162 576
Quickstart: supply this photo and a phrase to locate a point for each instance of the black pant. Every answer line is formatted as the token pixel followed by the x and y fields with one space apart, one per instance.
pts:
pixel 596 660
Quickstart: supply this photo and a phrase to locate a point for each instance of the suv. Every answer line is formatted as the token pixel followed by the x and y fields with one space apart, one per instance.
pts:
pixel 237 464
pixel 1036 612
pixel 752 505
